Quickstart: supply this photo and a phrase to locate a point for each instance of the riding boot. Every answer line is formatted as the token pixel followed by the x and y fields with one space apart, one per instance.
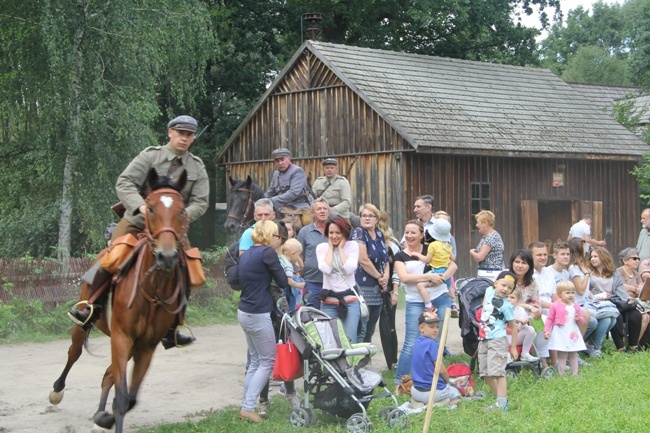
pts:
pixel 86 317
pixel 176 339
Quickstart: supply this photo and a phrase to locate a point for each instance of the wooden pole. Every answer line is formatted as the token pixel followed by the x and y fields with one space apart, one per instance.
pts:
pixel 436 373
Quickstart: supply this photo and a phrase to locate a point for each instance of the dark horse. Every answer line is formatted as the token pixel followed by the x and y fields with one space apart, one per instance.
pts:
pixel 145 300
pixel 241 205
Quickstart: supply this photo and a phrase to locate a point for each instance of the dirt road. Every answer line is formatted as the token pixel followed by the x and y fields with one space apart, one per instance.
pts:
pixel 181 383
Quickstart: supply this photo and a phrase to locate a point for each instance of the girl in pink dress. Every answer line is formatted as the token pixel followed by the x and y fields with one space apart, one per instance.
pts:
pixel 562 328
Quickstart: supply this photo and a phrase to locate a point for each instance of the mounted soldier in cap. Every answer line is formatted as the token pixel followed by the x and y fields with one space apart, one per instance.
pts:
pixel 335 189
pixel 289 190
pixel 130 188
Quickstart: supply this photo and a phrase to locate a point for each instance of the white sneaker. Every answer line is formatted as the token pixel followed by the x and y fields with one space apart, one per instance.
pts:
pixel 528 357
pixel 294 400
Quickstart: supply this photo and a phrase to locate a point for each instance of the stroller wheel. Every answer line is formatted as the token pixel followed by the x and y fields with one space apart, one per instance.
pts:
pixel 548 373
pixel 396 419
pixel 312 415
pixel 383 413
pixel 300 418
pixel 511 374
pixel 358 423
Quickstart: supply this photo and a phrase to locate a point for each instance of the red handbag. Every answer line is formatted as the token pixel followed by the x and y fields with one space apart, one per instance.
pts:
pixel 288 363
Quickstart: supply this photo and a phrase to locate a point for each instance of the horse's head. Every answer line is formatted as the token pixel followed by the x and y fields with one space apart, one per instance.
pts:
pixel 241 204
pixel 166 221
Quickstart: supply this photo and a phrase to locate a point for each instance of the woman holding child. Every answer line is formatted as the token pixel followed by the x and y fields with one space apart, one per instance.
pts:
pixel 259 265
pixel 338 260
pixel 411 271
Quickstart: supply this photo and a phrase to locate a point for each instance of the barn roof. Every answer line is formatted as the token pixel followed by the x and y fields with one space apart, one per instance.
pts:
pixel 604 97
pixel 444 105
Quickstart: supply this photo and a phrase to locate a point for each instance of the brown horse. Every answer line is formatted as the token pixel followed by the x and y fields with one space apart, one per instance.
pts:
pixel 145 301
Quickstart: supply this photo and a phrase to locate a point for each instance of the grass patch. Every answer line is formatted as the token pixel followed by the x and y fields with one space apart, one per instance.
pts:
pixel 33 321
pixel 608 397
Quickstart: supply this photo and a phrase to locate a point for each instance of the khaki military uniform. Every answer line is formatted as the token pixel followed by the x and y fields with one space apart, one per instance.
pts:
pixel 195 193
pixel 337 194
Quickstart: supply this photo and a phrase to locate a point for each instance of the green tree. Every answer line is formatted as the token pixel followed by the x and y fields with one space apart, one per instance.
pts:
pixel 82 80
pixel 464 29
pixel 599 40
pixel 595 65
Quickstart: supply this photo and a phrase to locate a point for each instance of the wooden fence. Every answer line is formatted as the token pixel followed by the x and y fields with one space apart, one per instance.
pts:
pixel 54 282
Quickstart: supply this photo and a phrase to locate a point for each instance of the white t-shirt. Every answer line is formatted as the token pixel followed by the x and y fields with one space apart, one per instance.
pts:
pixel 581 230
pixel 545 285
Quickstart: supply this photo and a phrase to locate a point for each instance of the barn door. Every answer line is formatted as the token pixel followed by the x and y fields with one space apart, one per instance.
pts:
pixel 595 208
pixel 529 221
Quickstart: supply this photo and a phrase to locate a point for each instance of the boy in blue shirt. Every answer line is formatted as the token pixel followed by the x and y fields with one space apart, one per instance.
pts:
pixel 423 361
pixel 493 343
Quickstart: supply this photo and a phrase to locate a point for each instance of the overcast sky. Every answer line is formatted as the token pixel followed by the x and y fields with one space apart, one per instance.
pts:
pixel 566 6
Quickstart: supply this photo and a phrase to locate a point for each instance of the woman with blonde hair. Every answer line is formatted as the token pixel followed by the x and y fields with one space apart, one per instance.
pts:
pixel 257 267
pixel 489 251
pixel 372 275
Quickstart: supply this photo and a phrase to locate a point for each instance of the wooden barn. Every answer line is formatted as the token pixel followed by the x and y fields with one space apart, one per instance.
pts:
pixel 518 141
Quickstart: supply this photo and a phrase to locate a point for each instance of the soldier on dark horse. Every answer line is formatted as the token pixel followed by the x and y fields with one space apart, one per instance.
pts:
pixel 289 190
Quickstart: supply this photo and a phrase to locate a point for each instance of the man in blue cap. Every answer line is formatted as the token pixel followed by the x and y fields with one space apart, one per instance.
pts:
pixel 167 159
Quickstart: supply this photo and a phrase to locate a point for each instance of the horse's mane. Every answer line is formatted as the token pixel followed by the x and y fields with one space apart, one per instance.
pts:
pixel 258 192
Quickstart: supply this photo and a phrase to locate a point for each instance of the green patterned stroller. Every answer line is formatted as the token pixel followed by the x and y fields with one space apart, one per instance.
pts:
pixel 338 377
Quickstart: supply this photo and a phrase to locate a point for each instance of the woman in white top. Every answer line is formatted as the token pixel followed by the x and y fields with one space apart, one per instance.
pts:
pixel 411 271
pixel 338 260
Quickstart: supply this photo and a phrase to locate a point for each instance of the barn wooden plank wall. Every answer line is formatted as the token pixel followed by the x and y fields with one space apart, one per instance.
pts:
pixel 315 115
pixel 514 180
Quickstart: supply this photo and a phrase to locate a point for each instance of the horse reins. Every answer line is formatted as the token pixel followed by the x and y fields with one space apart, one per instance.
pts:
pixel 148 238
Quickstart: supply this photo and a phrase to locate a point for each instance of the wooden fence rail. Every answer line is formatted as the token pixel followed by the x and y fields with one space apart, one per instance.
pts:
pixel 54 282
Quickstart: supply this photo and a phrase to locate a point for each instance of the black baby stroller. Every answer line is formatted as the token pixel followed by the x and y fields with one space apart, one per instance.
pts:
pixel 337 374
pixel 470 293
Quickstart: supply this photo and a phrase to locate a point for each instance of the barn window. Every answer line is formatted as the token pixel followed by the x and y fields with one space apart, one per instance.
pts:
pixel 480 197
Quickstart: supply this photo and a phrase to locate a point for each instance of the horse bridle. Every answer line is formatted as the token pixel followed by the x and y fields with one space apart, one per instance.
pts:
pixel 249 205
pixel 149 239
pixel 147 230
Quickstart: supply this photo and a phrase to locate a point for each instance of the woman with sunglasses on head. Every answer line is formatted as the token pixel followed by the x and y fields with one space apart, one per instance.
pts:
pixel 372 275
pixel 632 283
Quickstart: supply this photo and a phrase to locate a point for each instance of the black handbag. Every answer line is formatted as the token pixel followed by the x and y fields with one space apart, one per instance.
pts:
pixel 623 306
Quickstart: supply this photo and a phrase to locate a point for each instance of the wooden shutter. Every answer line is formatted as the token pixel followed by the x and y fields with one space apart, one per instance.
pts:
pixel 529 221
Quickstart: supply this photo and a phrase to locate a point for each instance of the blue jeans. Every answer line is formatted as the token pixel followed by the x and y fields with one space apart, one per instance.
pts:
pixel 350 322
pixel 368 324
pixel 413 312
pixel 313 293
pixel 260 338
pixel 591 327
pixel 604 326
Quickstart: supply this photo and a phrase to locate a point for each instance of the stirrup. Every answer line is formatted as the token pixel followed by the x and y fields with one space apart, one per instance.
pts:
pixel 85 322
pixel 168 344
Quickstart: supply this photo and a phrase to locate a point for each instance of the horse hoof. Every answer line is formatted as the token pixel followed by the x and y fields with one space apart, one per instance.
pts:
pixel 56 397
pixel 104 420
pixel 97 429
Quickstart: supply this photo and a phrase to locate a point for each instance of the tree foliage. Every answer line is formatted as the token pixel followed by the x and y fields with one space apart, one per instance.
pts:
pixel 82 84
pixel 86 85
pixel 463 29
